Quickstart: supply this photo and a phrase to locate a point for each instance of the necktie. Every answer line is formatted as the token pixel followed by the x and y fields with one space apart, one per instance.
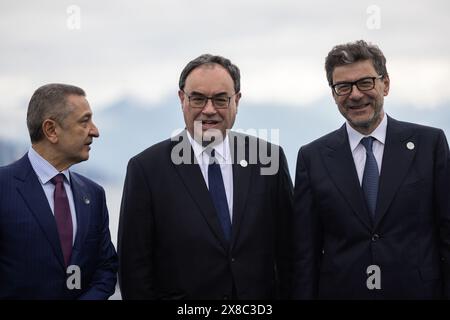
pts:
pixel 370 176
pixel 63 217
pixel 218 195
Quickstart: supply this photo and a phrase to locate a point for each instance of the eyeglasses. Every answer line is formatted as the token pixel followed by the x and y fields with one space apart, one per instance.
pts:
pixel 220 101
pixel 364 84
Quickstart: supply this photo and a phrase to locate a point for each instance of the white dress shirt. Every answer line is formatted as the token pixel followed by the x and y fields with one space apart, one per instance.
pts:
pixel 223 156
pixel 359 151
pixel 45 172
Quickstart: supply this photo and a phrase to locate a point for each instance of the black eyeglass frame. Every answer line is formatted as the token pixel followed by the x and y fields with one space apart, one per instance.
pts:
pixel 212 98
pixel 352 83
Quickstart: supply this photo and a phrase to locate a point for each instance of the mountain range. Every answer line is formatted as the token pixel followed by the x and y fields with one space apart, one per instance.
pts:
pixel 129 125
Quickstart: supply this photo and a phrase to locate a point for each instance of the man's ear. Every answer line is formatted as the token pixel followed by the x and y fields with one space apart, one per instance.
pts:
pixel 182 96
pixel 236 100
pixel 386 82
pixel 335 97
pixel 49 128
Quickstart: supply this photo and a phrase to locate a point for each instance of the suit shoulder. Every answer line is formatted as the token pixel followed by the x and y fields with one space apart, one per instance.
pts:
pixel 6 172
pixel 153 151
pixel 252 140
pixel 86 181
pixel 323 140
pixel 418 128
pixel 7 169
pixel 426 134
pixel 10 169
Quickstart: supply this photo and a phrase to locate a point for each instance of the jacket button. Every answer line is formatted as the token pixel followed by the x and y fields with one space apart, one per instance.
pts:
pixel 225 297
pixel 233 259
pixel 375 237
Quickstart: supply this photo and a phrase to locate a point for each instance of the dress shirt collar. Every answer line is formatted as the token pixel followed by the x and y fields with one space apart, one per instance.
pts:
pixel 354 137
pixel 222 149
pixel 44 170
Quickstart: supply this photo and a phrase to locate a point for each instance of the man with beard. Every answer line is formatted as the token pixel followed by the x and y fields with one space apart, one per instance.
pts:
pixel 204 215
pixel 371 206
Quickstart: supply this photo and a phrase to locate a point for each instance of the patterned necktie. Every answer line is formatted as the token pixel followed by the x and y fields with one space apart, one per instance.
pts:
pixel 371 176
pixel 218 195
pixel 63 217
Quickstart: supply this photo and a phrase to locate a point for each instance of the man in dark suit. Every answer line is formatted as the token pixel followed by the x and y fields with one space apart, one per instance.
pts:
pixel 206 214
pixel 54 230
pixel 371 206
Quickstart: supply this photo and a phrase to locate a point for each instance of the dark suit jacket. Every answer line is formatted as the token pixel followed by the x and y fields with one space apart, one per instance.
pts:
pixel 409 237
pixel 171 245
pixel 31 259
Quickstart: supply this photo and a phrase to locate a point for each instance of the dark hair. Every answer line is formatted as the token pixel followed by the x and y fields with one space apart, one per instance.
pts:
pixel 232 69
pixel 353 52
pixel 49 102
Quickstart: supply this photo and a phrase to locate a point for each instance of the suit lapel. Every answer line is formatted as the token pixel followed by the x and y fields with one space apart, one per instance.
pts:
pixel 397 159
pixel 241 180
pixel 339 162
pixel 191 175
pixel 34 196
pixel 82 201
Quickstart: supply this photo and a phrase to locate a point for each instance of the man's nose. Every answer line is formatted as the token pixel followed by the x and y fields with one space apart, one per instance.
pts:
pixel 94 131
pixel 209 107
pixel 356 93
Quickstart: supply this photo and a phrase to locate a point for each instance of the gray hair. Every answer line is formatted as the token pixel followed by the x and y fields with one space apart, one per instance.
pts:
pixel 49 102
pixel 353 52
pixel 232 69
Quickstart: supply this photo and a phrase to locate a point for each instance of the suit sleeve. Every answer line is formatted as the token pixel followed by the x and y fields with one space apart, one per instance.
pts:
pixel 284 222
pixel 442 188
pixel 103 282
pixel 307 234
pixel 135 233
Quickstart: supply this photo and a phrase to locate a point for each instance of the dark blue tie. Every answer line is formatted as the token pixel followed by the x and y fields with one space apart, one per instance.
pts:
pixel 218 195
pixel 371 176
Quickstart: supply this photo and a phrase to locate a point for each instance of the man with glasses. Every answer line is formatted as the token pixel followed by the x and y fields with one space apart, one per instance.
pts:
pixel 371 208
pixel 201 218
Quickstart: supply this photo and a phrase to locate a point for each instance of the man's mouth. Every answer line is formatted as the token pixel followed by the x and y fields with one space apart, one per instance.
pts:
pixel 207 124
pixel 210 122
pixel 359 106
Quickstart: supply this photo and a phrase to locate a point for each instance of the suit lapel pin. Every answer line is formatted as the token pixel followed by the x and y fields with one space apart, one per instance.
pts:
pixel 86 200
pixel 243 163
pixel 410 145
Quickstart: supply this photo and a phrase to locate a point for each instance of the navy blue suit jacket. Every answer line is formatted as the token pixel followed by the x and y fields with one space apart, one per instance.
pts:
pixel 31 259
pixel 409 238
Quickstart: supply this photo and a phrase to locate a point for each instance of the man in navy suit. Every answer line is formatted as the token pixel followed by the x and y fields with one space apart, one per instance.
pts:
pixel 371 199
pixel 54 230
pixel 206 214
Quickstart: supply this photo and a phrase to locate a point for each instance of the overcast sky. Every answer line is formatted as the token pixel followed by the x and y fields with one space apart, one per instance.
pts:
pixel 138 48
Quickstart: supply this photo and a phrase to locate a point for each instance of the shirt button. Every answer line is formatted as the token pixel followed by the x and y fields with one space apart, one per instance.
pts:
pixel 375 237
pixel 233 259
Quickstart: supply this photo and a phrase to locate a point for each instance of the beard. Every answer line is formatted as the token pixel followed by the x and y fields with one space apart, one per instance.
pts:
pixel 370 123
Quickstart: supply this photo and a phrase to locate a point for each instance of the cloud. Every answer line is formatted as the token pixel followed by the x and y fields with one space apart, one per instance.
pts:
pixel 138 48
